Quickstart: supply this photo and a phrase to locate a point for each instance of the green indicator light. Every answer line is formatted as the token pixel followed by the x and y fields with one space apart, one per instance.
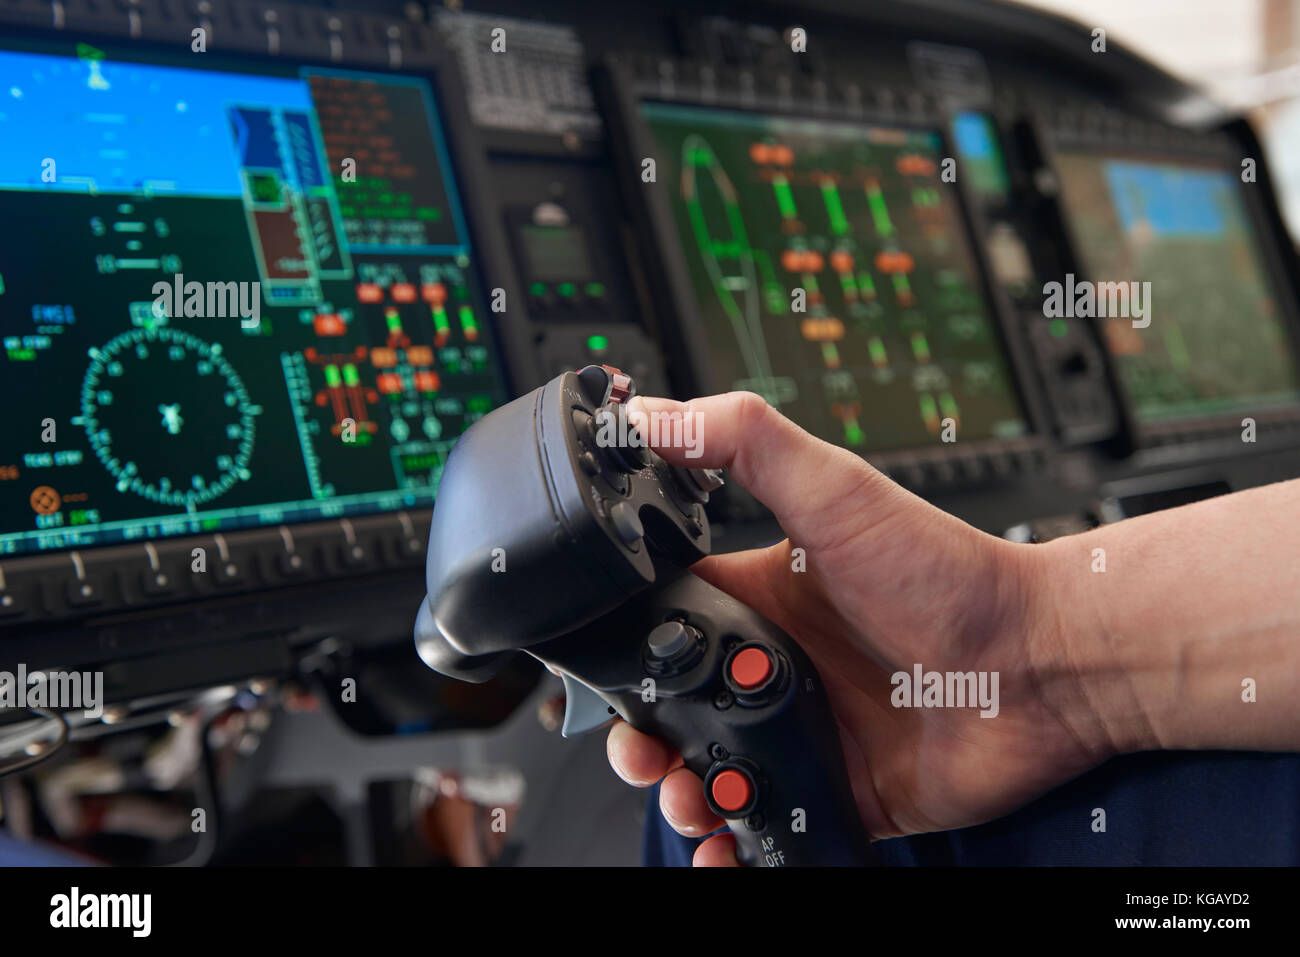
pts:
pixel 350 376
pixel 419 463
pixel 595 289
pixel 920 348
pixel 784 197
pixel 866 285
pixel 928 409
pixel 735 220
pixel 853 433
pixel 948 404
pixel 901 285
pixel 332 377
pixel 440 317
pixel 566 289
pixel 467 318
pixel 699 156
pixel 877 350
pixel 879 212
pixel 773 291
pixel 597 343
pixel 925 197
pixel 1059 328
pixel 830 355
pixel 394 321
pixel 538 289
pixel 834 208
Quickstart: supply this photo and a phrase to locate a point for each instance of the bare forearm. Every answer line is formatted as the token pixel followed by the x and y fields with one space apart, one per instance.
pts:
pixel 1182 628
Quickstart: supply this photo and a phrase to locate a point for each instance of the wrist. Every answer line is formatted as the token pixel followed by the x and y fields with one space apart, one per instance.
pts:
pixel 1085 670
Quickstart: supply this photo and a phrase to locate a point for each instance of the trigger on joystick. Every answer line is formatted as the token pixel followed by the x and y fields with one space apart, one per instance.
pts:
pixel 601 383
pixel 627 524
pixel 620 384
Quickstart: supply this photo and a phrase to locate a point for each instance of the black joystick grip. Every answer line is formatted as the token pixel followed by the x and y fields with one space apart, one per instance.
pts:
pixel 744 706
pixel 542 525
pixel 558 532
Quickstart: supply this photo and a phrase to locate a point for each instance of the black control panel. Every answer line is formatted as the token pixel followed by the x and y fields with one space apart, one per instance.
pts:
pixel 264 263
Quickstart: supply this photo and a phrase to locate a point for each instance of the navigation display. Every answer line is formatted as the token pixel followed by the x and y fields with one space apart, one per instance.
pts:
pixel 1215 343
pixel 226 299
pixel 853 223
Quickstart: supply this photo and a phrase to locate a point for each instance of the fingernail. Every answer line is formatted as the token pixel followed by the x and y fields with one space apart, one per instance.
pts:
pixel 618 769
pixel 679 828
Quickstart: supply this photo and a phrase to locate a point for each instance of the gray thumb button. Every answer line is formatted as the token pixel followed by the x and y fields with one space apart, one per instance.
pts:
pixel 668 639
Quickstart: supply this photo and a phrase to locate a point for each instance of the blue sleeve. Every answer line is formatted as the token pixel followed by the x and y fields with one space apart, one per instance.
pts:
pixel 661 846
pixel 1170 808
pixel 16 853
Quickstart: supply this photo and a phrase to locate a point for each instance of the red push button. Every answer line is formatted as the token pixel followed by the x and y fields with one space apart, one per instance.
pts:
pixel 732 790
pixel 751 668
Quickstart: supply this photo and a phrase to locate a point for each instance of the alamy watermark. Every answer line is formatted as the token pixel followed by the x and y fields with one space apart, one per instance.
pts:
pixel 210 300
pixel 1083 299
pixel 53 690
pixel 133 912
pixel 650 429
pixel 946 689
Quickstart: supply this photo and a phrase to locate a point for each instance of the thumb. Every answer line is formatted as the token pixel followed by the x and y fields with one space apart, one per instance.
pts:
pixel 811 486
pixel 896 560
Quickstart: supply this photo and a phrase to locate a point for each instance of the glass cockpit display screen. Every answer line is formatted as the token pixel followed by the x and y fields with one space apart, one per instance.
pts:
pixel 226 299
pixel 1212 340
pixel 852 223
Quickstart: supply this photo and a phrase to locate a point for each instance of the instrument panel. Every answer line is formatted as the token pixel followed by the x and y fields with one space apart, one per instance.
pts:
pixel 251 294
pixel 1184 223
pixel 833 275
pixel 332 381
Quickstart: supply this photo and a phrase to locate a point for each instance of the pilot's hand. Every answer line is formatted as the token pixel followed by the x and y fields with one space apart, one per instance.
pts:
pixel 891 582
